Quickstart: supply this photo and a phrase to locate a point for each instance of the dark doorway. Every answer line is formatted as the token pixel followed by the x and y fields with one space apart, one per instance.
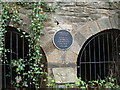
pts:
pixel 99 56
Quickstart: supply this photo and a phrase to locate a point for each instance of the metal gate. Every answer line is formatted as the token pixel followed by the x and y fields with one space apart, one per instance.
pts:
pixel 100 56
pixel 16 46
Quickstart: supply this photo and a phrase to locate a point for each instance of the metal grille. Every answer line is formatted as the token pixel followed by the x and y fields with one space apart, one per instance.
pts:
pixel 17 46
pixel 99 57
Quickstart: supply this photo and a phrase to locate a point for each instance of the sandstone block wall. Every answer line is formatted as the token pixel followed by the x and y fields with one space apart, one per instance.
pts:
pixel 82 19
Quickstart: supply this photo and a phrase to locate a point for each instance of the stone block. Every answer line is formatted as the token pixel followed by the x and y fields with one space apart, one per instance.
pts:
pixel 71 57
pixel 70 9
pixel 64 75
pixel 59 64
pixel 26 21
pixel 114 22
pixel 24 11
pixel 81 4
pixel 66 26
pixel 93 27
pixel 47 45
pixel 75 47
pixel 90 11
pixel 78 41
pixel 85 31
pixel 54 57
pixel 104 23
pixel 116 19
pixel 95 16
pixel 78 9
pixel 67 4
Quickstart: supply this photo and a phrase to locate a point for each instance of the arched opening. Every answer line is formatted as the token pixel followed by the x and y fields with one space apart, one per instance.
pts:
pixel 99 56
pixel 17 47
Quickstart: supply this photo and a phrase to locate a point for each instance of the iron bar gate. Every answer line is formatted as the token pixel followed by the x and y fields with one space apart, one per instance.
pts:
pixel 99 57
pixel 16 46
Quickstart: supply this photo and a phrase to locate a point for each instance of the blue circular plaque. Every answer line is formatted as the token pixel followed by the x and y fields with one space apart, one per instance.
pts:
pixel 63 39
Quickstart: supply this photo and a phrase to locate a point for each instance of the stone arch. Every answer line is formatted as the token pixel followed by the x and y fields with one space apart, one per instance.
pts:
pixel 91 28
pixel 93 47
pixel 81 34
pixel 11 35
pixel 26 28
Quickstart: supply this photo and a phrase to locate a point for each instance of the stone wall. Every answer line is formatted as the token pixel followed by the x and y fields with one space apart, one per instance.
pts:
pixel 82 19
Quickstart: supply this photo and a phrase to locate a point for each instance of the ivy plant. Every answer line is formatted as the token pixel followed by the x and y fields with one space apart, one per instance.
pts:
pixel 10 13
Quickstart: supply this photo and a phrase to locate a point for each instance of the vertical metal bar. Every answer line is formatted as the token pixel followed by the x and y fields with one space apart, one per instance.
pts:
pixel 4 76
pixel 116 53
pixel 23 47
pixel 85 64
pixel 94 58
pixel 16 46
pixel 11 58
pixel 103 37
pixel 80 64
pixel 112 42
pixel 116 40
pixel 99 52
pixel 108 51
pixel 29 52
pixel 108 47
pixel 23 56
pixel 90 59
